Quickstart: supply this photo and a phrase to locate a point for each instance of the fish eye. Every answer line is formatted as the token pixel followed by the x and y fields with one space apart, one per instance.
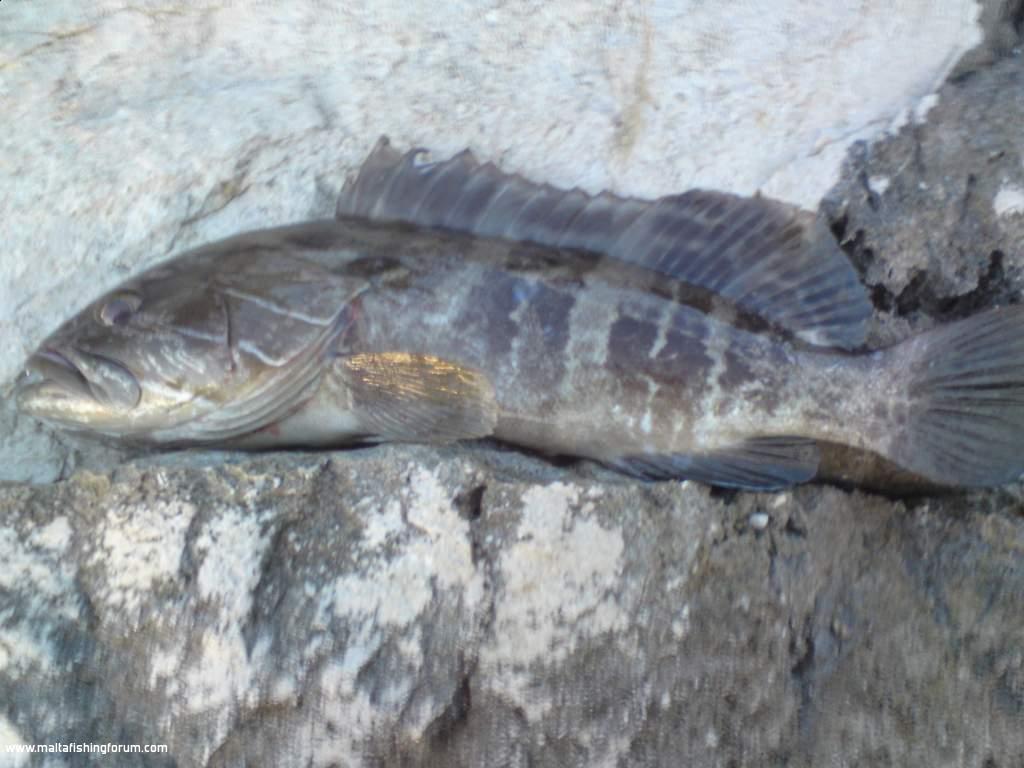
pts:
pixel 118 309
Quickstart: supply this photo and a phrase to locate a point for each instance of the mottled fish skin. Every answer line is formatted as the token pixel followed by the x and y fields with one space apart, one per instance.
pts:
pixel 586 358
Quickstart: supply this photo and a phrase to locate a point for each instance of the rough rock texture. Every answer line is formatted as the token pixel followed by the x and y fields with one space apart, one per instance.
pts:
pixel 470 606
pixel 422 607
pixel 934 216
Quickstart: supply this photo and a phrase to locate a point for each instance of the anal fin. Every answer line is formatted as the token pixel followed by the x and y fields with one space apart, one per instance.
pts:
pixel 419 398
pixel 760 463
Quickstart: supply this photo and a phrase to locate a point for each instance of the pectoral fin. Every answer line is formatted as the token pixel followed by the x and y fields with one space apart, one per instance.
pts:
pixel 761 463
pixel 419 398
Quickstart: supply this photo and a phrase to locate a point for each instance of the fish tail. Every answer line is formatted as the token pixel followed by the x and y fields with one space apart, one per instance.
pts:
pixel 964 418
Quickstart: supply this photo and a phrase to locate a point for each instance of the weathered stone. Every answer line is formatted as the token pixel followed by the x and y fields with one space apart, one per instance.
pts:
pixel 935 215
pixel 421 607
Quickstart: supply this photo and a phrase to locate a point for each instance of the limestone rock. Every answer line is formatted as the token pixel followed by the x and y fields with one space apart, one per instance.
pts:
pixel 430 607
pixel 934 215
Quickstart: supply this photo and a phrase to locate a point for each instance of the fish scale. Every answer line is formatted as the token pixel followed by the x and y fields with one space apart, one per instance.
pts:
pixel 547 388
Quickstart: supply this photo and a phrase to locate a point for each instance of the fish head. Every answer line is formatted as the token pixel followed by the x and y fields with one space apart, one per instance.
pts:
pixel 213 344
pixel 144 355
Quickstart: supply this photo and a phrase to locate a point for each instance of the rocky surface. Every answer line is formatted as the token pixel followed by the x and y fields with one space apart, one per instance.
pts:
pixel 934 216
pixel 411 606
pixel 471 606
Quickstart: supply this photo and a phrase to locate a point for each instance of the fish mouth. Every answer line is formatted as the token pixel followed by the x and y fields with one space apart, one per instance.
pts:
pixel 49 366
pixel 56 378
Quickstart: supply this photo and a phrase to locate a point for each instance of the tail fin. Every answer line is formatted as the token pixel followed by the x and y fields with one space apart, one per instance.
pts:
pixel 965 421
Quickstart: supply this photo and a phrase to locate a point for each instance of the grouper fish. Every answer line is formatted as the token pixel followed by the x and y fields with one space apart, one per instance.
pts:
pixel 703 336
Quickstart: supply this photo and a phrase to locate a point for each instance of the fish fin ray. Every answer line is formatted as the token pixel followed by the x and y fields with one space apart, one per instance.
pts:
pixel 966 414
pixel 769 258
pixel 760 463
pixel 418 398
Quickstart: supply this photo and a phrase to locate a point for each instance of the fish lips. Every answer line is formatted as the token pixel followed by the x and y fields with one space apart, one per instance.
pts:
pixel 71 373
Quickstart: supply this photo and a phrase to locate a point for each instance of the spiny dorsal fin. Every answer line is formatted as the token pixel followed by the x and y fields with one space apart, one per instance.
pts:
pixel 768 257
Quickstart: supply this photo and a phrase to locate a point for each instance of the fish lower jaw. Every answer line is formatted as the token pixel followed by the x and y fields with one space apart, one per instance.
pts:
pixel 50 401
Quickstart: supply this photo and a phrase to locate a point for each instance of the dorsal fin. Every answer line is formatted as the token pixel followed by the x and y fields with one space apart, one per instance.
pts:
pixel 767 257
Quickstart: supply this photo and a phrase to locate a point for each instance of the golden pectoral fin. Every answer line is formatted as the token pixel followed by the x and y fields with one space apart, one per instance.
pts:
pixel 419 398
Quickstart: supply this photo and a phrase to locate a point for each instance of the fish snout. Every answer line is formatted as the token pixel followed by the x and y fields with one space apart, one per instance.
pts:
pixel 49 386
pixel 68 373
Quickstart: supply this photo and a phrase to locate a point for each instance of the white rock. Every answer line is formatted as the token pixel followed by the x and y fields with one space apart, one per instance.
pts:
pixel 759 521
pixel 1009 201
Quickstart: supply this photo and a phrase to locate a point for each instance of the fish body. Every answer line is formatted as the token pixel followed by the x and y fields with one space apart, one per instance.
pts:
pixel 584 357
pixel 702 336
